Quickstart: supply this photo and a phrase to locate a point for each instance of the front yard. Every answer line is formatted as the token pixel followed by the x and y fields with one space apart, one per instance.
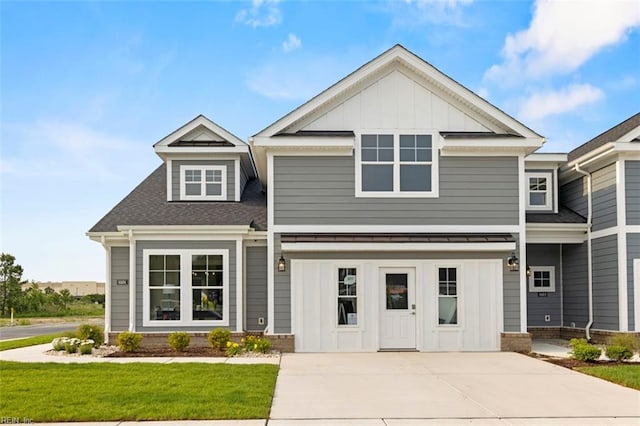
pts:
pixel 49 392
pixel 625 375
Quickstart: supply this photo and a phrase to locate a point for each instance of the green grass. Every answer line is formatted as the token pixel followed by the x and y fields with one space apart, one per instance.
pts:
pixel 625 375
pixel 29 341
pixel 49 392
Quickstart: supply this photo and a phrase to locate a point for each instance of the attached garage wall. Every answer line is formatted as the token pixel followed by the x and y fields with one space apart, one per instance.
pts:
pixel 119 293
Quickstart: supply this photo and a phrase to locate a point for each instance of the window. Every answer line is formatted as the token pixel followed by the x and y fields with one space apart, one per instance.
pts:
pixel 347 296
pixel 203 183
pixel 185 287
pixel 539 191
pixel 447 296
pixel 542 279
pixel 396 165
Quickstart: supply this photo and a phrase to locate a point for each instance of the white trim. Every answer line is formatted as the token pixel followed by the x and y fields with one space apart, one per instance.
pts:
pixel 169 179
pixel 483 229
pixel 605 232
pixel 200 120
pixel 107 290
pixel 359 325
pixel 523 186
pixel 203 183
pixel 561 282
pixel 623 282
pixel 178 229
pixel 132 283
pixel 544 157
pixel 182 156
pixel 202 150
pixel 636 294
pixel 555 237
pixel 552 279
pixel 237 180
pixel 270 248
pixel 239 285
pixel 185 287
pixel 514 145
pixel 459 295
pixel 304 142
pixel 555 189
pixel 448 247
pixel 549 197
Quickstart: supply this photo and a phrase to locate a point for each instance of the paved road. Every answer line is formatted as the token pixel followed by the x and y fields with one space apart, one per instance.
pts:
pixel 19 331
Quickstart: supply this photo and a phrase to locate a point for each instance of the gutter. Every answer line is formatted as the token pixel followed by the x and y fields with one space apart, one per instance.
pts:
pixel 589 257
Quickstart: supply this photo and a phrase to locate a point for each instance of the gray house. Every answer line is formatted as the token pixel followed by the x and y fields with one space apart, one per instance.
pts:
pixel 395 210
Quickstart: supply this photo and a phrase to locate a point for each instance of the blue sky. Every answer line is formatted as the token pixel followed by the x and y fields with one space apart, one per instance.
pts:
pixel 88 87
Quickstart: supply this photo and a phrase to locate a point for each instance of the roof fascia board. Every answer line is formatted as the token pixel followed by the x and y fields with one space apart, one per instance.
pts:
pixel 449 247
pixel 200 120
pixel 541 157
pixel 627 147
pixel 304 142
pixel 181 229
pixel 633 134
pixel 202 149
pixel 582 227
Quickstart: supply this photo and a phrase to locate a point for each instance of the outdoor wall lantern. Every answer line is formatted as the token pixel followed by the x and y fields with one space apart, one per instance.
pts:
pixel 528 270
pixel 282 264
pixel 512 262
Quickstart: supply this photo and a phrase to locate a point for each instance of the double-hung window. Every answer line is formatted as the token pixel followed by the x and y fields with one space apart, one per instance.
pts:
pixel 542 279
pixel 203 183
pixel 396 165
pixel 447 296
pixel 539 191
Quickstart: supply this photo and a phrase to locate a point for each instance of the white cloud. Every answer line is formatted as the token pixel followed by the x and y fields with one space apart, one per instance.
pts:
pixel 291 43
pixel 562 36
pixel 263 13
pixel 544 104
pixel 415 13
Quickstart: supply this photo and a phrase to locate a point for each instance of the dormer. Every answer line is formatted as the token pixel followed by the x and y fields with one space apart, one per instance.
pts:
pixel 205 162
pixel 541 181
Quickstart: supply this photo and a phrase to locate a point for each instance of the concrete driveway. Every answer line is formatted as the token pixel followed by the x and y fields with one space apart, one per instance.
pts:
pixel 434 388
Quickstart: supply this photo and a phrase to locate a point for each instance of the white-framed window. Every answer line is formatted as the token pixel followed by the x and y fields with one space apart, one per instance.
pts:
pixel 539 191
pixel 347 297
pixel 185 287
pixel 542 279
pixel 448 295
pixel 396 164
pixel 203 183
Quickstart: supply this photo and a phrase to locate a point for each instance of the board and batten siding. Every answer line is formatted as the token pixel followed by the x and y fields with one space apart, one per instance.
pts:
pixel 176 178
pixel 605 283
pixel 632 191
pixel 185 245
pixel 575 285
pixel 321 191
pixel 511 280
pixel 538 307
pixel 256 294
pixel 119 293
pixel 633 252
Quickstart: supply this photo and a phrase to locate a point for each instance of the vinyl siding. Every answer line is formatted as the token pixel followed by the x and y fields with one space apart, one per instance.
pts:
pixel 511 281
pixel 256 294
pixel 605 283
pixel 633 252
pixel 573 195
pixel 538 307
pixel 321 191
pixel 243 179
pixel 574 285
pixel 632 191
pixel 175 175
pixel 186 245
pixel 119 293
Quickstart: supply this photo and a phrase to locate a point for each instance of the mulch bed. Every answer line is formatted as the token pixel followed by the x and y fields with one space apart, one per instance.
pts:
pixel 167 352
pixel 571 363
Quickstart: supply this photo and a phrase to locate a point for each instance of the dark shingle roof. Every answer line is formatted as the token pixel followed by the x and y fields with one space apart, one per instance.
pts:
pixel 610 135
pixel 564 215
pixel 147 205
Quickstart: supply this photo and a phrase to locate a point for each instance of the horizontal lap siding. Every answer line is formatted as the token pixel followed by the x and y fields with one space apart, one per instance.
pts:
pixel 573 196
pixel 186 245
pixel 119 293
pixel 256 276
pixel 632 191
pixel 575 285
pixel 605 283
pixel 604 197
pixel 175 175
pixel 538 307
pixel 282 295
pixel 633 252
pixel 321 191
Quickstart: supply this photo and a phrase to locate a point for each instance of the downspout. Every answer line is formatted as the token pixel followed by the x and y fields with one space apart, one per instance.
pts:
pixel 589 258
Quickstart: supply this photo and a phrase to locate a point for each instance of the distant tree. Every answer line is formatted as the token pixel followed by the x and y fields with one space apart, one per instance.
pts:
pixel 33 299
pixel 66 298
pixel 10 275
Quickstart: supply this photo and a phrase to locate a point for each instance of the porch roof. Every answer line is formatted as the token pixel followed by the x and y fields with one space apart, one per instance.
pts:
pixel 396 238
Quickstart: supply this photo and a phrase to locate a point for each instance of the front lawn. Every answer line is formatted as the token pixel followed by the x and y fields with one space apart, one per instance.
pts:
pixel 49 392
pixel 625 375
pixel 29 341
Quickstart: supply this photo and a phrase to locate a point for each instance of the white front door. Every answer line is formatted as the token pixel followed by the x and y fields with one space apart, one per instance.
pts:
pixel 397 308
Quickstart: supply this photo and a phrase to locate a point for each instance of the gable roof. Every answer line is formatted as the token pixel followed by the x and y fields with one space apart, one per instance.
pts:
pixel 147 205
pixel 200 121
pixel 400 54
pixel 614 134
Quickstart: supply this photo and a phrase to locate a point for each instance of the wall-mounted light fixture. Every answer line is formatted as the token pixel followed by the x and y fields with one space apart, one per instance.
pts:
pixel 528 270
pixel 512 262
pixel 282 264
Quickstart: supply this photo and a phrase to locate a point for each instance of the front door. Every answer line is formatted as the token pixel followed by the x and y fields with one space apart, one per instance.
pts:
pixel 397 308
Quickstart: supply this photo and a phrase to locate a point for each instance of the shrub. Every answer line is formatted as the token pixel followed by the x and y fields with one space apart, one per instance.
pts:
pixel 234 349
pixel 219 337
pixel 577 342
pixel 91 332
pixel 584 351
pixel 626 340
pixel 58 343
pixel 179 341
pixel 257 344
pixel 86 347
pixel 71 345
pixel 617 353
pixel 128 341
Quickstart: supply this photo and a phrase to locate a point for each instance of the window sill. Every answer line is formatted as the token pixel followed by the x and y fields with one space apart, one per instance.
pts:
pixel 173 323
pixel 367 194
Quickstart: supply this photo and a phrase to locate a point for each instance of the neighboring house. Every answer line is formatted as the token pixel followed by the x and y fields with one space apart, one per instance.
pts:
pixel 389 212
pixel 76 288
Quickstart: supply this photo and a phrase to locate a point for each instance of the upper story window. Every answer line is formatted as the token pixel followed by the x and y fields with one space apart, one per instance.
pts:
pixel 539 191
pixel 397 164
pixel 203 183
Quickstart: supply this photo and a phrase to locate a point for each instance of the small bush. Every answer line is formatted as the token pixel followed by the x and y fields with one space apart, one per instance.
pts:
pixel 617 353
pixel 584 351
pixel 219 337
pixel 179 341
pixel 128 341
pixel 71 345
pixel 234 349
pixel 257 344
pixel 91 332
pixel 577 342
pixel 58 343
pixel 86 347
pixel 626 340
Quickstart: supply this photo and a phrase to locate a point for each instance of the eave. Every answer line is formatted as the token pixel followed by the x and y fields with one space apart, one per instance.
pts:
pixel 556 233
